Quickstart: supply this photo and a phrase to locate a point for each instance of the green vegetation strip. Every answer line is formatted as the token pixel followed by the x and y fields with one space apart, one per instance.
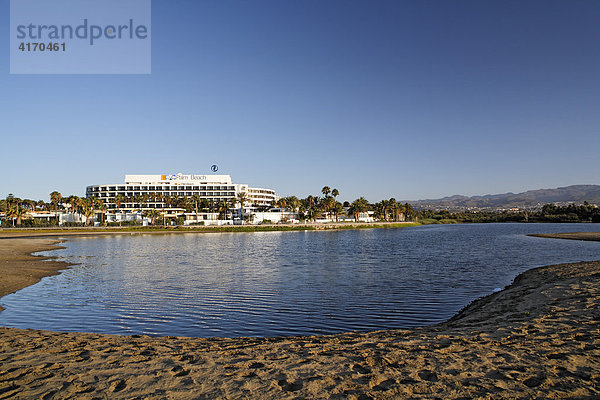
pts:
pixel 226 228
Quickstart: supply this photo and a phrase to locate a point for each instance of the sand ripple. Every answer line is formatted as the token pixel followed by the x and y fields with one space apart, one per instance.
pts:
pixel 539 338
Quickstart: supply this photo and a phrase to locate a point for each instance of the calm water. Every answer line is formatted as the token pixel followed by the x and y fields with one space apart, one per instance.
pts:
pixel 284 283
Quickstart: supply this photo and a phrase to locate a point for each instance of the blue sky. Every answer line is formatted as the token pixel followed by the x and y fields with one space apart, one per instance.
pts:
pixel 404 99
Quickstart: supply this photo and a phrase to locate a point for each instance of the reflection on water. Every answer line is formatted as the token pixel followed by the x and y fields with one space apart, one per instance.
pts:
pixel 283 283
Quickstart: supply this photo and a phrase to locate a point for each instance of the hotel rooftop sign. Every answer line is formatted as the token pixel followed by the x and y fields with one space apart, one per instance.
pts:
pixel 177 178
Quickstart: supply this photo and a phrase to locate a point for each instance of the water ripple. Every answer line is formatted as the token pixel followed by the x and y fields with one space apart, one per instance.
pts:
pixel 283 283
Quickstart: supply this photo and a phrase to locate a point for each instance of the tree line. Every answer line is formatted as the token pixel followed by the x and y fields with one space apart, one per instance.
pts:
pixel 310 208
pixel 548 213
pixel 313 207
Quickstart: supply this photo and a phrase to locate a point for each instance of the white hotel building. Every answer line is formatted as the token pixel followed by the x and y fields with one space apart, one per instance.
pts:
pixel 155 188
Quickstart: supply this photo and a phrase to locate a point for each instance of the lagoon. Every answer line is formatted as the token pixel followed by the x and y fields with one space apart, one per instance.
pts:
pixel 283 283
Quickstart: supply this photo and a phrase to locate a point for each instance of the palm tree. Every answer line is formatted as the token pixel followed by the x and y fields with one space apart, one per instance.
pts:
pixel 29 204
pixel 55 200
pixel 175 200
pixel 146 199
pixel 328 204
pixel 409 212
pixel 153 214
pixel 242 198
pixel 74 202
pixel 211 206
pixel 138 199
pixel 88 209
pixel 385 208
pixel 338 209
pixel 42 205
pixel 292 202
pixel 168 200
pixel 16 211
pixel 326 190
pixel 204 205
pixel 197 200
pixel 186 203
pixel 335 193
pixel 118 200
pixel 223 208
pixel 313 213
pixel 358 206
pixel 159 198
pixel 397 209
pixel 281 203
pixel 100 206
pixel 129 200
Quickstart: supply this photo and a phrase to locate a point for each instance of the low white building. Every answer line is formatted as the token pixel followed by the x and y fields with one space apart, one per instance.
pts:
pixel 274 216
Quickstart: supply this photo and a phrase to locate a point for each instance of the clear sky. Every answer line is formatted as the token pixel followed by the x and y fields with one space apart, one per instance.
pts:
pixel 404 99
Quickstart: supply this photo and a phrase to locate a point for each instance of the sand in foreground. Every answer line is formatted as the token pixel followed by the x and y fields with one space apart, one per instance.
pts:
pixel 539 338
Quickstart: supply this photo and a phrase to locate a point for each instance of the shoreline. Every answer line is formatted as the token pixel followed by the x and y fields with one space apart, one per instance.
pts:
pixel 539 336
pixel 587 236
pixel 84 231
pixel 19 268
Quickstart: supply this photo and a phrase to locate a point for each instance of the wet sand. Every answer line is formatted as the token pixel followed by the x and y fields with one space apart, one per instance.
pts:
pixel 18 268
pixel 589 236
pixel 538 338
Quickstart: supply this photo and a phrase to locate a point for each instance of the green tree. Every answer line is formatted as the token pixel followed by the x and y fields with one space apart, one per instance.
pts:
pixel 118 200
pixel 242 198
pixel 100 206
pixel 328 203
pixel 223 208
pixel 337 210
pixel 335 193
pixel 153 214
pixel 197 200
pixel 55 200
pixel 88 209
pixel 358 206
pixel 16 212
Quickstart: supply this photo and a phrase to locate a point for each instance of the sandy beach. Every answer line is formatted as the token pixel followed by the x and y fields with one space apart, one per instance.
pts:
pixel 589 236
pixel 19 268
pixel 538 338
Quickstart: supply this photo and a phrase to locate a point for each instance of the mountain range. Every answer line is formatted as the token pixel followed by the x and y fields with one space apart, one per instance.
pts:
pixel 530 198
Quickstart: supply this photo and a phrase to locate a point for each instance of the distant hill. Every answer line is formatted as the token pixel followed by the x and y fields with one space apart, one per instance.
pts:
pixel 531 198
